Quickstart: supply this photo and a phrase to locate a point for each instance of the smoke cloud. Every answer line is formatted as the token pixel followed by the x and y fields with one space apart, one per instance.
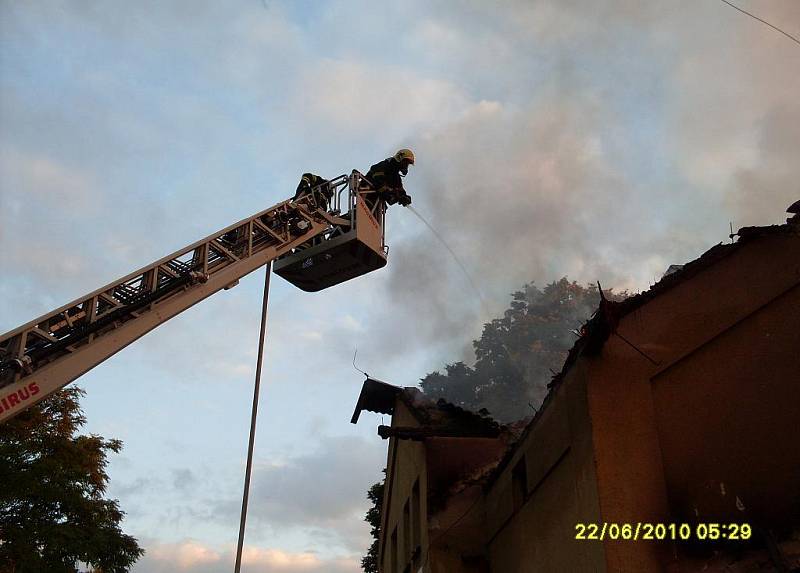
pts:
pixel 648 130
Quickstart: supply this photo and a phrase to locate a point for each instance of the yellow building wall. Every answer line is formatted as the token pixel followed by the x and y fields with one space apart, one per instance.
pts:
pixel 741 393
pixel 636 405
pixel 539 535
pixel 618 441
pixel 405 465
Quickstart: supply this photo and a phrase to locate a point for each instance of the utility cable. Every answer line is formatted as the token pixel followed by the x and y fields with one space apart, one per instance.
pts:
pixel 636 348
pixel 762 21
pixel 253 417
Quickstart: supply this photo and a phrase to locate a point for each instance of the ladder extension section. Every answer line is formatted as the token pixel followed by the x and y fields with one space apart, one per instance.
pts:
pixel 44 355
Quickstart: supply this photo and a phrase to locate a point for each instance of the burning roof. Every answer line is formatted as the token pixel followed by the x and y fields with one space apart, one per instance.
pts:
pixel 380 397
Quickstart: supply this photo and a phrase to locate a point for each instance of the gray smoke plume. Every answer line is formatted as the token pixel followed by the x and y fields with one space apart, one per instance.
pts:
pixel 651 129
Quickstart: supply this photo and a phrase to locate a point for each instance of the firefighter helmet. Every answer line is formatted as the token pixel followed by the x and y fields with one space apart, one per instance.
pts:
pixel 404 155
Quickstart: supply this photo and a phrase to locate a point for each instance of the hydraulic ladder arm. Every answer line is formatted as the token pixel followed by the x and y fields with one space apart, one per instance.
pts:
pixel 48 353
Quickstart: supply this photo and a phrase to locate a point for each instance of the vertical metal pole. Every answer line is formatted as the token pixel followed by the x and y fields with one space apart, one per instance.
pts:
pixel 253 416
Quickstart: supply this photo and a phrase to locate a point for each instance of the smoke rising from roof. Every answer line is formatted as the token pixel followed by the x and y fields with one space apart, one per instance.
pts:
pixel 648 133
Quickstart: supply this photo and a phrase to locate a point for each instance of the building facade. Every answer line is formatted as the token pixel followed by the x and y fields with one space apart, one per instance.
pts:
pixel 679 405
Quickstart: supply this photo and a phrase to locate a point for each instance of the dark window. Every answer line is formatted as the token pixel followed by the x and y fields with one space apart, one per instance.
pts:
pixel 519 483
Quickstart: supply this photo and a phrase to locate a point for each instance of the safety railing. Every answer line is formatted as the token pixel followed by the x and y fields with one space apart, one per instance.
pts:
pixel 354 185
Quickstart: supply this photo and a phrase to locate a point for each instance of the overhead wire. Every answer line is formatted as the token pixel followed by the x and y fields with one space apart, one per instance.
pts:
pixel 788 35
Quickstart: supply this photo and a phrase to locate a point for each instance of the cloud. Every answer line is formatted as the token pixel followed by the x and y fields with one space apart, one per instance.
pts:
pixel 734 98
pixel 614 166
pixel 314 500
pixel 137 487
pixel 193 557
pixel 183 479
pixel 518 194
pixel 355 98
pixel 184 555
pixel 351 323
pixel 39 194
pixel 772 181
pixel 28 175
pixel 321 492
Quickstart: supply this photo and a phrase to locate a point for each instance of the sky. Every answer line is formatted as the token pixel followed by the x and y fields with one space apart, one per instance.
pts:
pixel 598 140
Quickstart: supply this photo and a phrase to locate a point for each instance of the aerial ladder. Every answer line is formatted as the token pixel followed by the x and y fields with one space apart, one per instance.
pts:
pixel 311 244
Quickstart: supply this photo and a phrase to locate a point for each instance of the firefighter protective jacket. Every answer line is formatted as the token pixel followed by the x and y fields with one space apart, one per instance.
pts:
pixel 386 174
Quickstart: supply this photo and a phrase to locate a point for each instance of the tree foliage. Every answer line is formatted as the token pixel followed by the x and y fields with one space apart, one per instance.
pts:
pixel 369 563
pixel 517 354
pixel 52 481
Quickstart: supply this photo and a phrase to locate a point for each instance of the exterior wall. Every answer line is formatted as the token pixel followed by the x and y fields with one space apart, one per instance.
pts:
pixel 536 531
pixel 457 514
pixel 457 534
pixel 740 393
pixel 450 460
pixel 677 330
pixel 450 529
pixel 707 417
pixel 630 474
pixel 405 465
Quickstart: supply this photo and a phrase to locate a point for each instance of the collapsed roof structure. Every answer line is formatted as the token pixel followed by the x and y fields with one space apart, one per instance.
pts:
pixel 676 405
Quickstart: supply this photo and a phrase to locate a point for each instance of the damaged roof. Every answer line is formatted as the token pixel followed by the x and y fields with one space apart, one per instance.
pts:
pixel 377 396
pixel 599 327
pixel 431 412
pixel 604 320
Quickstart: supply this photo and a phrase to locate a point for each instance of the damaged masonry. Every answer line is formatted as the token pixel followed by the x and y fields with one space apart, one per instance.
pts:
pixel 677 405
pixel 439 455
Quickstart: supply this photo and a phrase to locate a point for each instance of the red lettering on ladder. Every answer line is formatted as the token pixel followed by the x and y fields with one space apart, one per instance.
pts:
pixel 17 398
